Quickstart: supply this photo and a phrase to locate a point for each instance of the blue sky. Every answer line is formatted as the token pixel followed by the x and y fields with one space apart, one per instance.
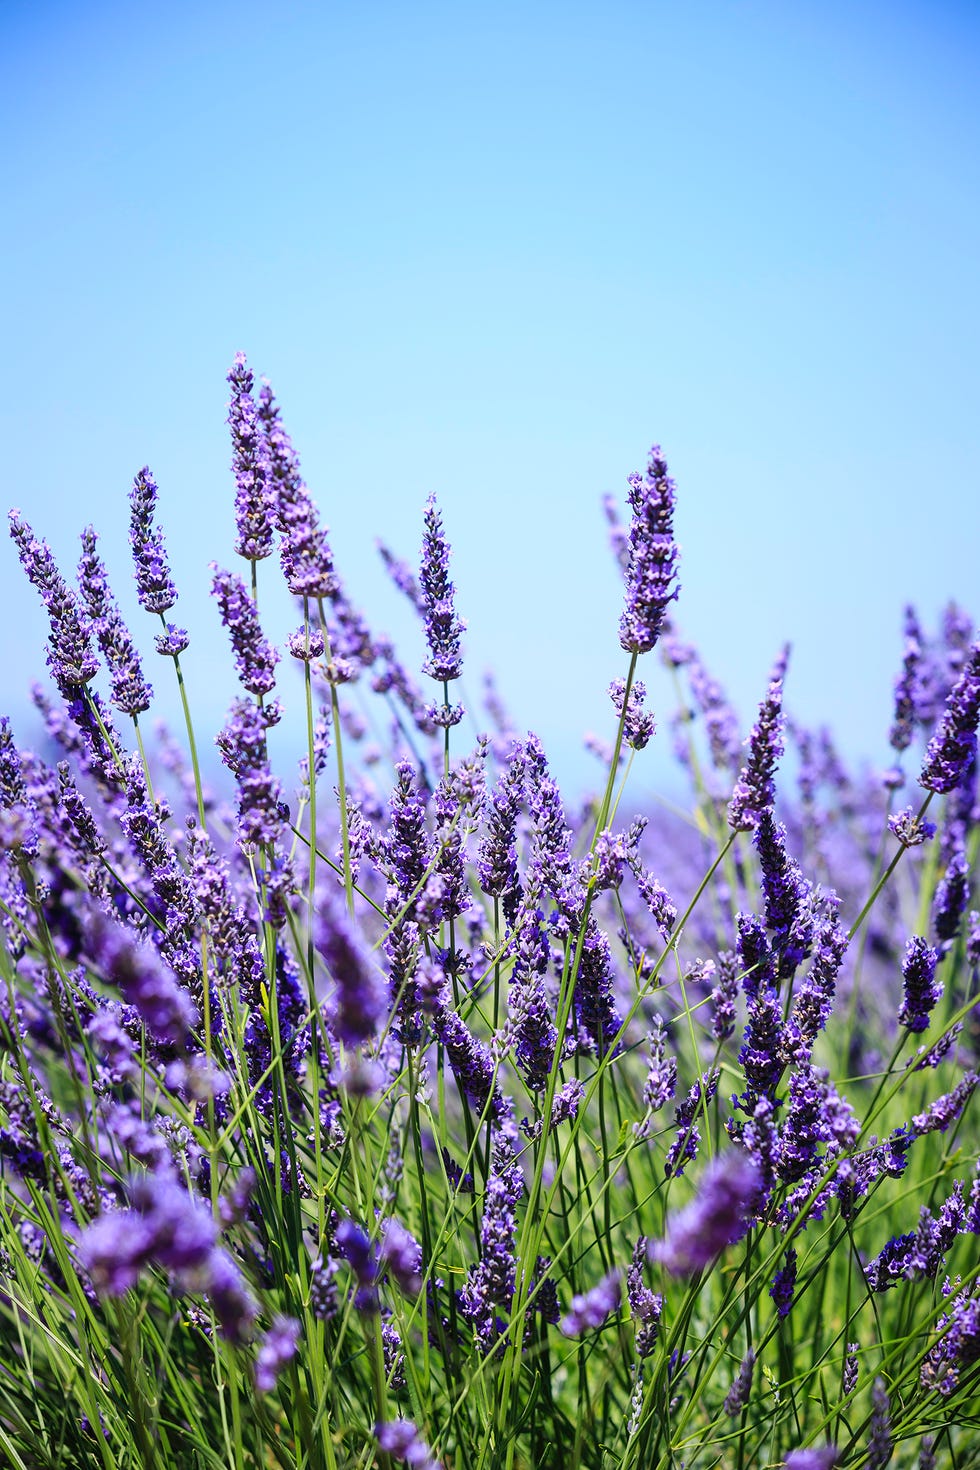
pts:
pixel 494 251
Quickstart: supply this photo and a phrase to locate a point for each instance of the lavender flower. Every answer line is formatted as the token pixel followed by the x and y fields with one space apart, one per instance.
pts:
pixel 442 627
pixel 401 1253
pixel 242 743
pixel 910 829
pixel 278 1348
pixel 255 658
pixel 712 1221
pixel 638 725
pixel 903 725
pixel 646 1306
pixel 145 983
pixel 70 656
pixel 130 691
pixel 154 584
pixel 307 561
pixel 360 999
pixel 652 572
pixel 880 1443
pixel 490 1283
pixel 824 1458
pixel 922 989
pixel 738 1395
pixel 591 1309
pixel 784 1284
pixel 952 750
pixel 754 791
pixel 952 896
pixel 399 1437
pixel 250 465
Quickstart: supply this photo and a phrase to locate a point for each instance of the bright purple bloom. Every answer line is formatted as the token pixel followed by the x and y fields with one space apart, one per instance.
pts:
pixel 400 1438
pixel 531 1020
pixel 638 725
pixel 814 998
pixel 651 576
pixel 824 1458
pixel 442 627
pixel 789 910
pixel 724 997
pixel 255 658
pixel 784 1284
pixel 591 1309
pixel 154 584
pixel 754 790
pixel 952 750
pixel 70 655
pixel 952 896
pixel 130 691
pixel 243 748
pixel 360 998
pixel 906 687
pixel 402 1254
pixel 910 829
pixel 922 989
pixel 645 1305
pixel 307 561
pixel 687 1136
pixel 943 1113
pixel 720 722
pixel 490 1283
pixel 277 1348
pixel 145 983
pixel 250 464
pixel 402 576
pixel 712 1221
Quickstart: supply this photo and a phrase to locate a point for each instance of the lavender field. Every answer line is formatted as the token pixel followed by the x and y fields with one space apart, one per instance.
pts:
pixel 401 1109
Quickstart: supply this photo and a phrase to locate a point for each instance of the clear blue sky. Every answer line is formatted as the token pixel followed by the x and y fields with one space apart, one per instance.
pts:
pixel 495 250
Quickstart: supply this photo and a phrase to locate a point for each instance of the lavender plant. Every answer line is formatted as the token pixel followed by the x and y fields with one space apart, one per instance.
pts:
pixel 420 1119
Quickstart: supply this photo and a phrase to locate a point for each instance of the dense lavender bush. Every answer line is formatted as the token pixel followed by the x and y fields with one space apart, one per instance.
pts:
pixel 422 1119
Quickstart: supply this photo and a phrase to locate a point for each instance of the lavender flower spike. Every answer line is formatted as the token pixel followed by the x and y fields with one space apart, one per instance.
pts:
pixel 250 464
pixel 255 658
pixel 442 627
pixel 696 1234
pixel 824 1458
pixel 130 691
pixel 652 572
pixel 400 1438
pixel 754 792
pixel 952 750
pixel 591 1309
pixel 922 989
pixel 154 584
pixel 70 655
pixel 278 1348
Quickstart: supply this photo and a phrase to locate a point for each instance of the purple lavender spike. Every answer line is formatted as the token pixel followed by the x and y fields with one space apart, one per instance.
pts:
pixel 754 790
pixel 652 572
pixel 714 1220
pixel 442 627
pixel 952 750
pixel 130 691
pixel 70 655
pixel 255 658
pixel 250 464
pixel 307 561
pixel 154 584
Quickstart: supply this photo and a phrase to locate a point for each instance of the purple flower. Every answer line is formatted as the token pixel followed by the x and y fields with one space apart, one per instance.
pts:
pixel 402 1254
pixel 638 725
pixel 255 658
pixel 154 584
pixel 712 1221
pixel 651 576
pixel 242 743
pixel 277 1348
pixel 130 691
pixel 738 1395
pixel 360 999
pixel 880 1443
pixel 307 561
pixel 145 983
pixel 824 1458
pixel 591 1309
pixel 906 687
pixel 952 896
pixel 400 1438
pixel 754 790
pixel 789 910
pixel 687 1137
pixel 531 1021
pixel 910 829
pixel 645 1305
pixel 70 655
pixel 442 627
pixel 922 989
pixel 952 750
pixel 490 1283
pixel 250 465
pixel 784 1284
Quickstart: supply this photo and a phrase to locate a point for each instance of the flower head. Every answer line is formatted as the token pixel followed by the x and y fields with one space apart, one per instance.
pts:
pixel 651 576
